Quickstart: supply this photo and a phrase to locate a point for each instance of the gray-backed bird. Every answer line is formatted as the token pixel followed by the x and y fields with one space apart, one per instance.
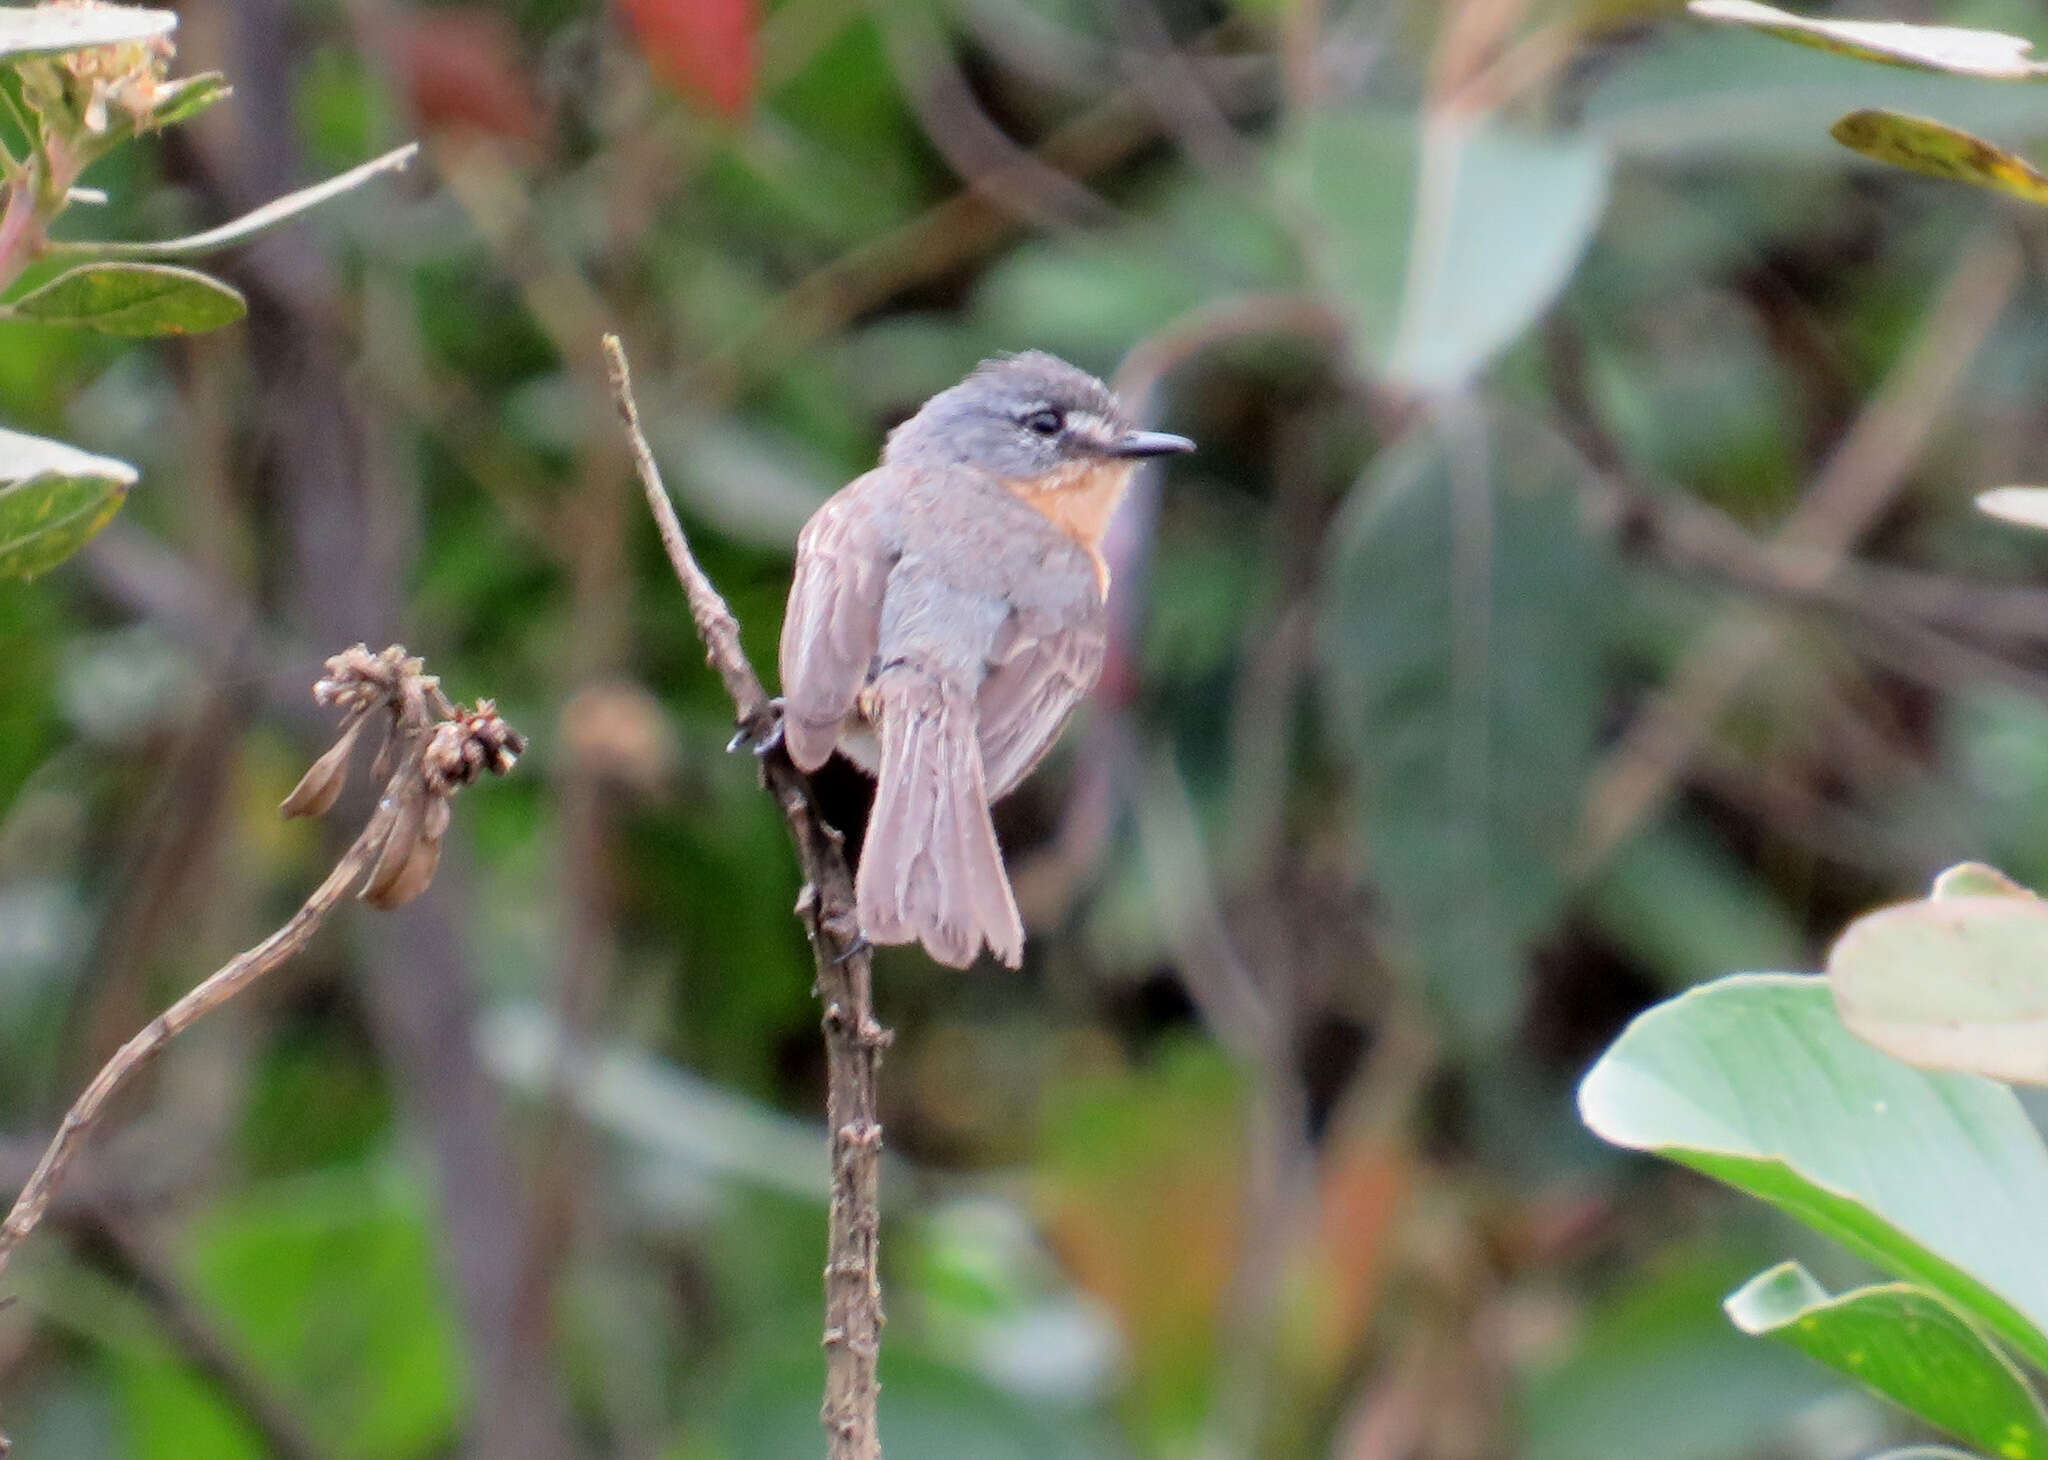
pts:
pixel 947 615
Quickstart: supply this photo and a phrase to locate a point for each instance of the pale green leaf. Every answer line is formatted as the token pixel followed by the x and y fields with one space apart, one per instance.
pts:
pixel 131 299
pixel 1501 220
pixel 249 225
pixel 1443 247
pixel 1943 48
pixel 1940 1179
pixel 1907 1345
pixel 53 497
pixel 49 30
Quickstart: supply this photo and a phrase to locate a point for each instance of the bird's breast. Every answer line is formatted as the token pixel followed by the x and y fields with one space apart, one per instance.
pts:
pixel 1078 499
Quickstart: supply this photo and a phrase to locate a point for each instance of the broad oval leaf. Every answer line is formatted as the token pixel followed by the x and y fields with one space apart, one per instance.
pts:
pixel 53 497
pixel 1459 634
pixel 1954 983
pixel 1940 1179
pixel 1906 1344
pixel 249 225
pixel 49 30
pixel 132 299
pixel 1950 49
pixel 1920 144
pixel 1438 276
pixel 2027 506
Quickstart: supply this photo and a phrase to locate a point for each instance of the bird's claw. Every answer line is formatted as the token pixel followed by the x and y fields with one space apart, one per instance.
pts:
pixel 752 736
pixel 853 950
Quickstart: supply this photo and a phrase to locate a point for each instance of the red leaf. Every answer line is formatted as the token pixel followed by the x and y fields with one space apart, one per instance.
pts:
pixel 704 48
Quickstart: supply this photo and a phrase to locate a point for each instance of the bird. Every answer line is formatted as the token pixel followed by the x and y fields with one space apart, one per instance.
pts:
pixel 947 613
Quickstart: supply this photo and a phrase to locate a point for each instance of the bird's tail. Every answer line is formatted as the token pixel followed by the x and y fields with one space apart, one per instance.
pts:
pixel 931 870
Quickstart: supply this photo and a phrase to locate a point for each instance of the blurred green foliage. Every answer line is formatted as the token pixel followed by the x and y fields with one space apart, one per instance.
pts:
pixel 1511 334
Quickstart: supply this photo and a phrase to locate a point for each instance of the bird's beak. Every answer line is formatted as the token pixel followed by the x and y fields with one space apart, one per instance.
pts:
pixel 1150 443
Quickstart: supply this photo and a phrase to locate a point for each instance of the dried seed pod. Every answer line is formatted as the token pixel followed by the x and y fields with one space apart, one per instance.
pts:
pixel 318 788
pixel 412 878
pixel 399 844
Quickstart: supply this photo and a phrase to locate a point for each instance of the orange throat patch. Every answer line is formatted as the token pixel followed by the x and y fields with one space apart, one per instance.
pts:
pixel 1079 499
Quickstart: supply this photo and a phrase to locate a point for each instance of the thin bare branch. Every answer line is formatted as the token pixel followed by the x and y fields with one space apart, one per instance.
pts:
pixel 135 1056
pixel 438 748
pixel 854 1041
pixel 717 627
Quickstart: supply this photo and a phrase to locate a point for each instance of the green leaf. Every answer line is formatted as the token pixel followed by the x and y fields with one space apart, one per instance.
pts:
pixel 1501 221
pixel 249 225
pixel 1904 1343
pixel 2027 506
pixel 1654 1373
pixel 1975 879
pixel 187 97
pixel 329 1287
pixel 53 498
pixel 1958 983
pixel 49 30
pixel 1438 278
pixel 1460 642
pixel 1937 1178
pixel 131 299
pixel 1958 52
pixel 1922 145
pixel 1718 91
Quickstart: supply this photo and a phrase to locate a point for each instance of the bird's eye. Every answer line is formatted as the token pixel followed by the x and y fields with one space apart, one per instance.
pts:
pixel 1045 423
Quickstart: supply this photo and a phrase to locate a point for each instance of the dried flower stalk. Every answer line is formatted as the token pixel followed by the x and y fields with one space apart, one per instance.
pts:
pixel 433 748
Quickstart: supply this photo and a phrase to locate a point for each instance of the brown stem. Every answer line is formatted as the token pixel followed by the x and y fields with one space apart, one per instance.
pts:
pixel 845 981
pixel 134 1056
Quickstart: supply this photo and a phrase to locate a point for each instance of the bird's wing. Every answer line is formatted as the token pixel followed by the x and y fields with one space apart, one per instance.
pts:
pixel 829 632
pixel 1039 671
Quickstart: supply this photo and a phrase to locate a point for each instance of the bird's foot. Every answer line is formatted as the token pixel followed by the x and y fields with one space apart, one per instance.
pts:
pixel 763 739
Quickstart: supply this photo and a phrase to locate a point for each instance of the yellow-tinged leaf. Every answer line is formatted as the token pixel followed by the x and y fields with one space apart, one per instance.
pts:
pixel 1975 879
pixel 1921 144
pixel 1945 48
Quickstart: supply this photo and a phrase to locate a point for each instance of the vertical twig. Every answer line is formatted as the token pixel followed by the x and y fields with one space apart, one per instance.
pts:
pixel 845 979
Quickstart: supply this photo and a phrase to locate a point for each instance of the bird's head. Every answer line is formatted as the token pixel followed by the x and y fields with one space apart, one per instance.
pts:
pixel 1031 419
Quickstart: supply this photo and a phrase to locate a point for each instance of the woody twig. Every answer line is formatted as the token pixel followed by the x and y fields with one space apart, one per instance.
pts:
pixel 432 749
pixel 853 1039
